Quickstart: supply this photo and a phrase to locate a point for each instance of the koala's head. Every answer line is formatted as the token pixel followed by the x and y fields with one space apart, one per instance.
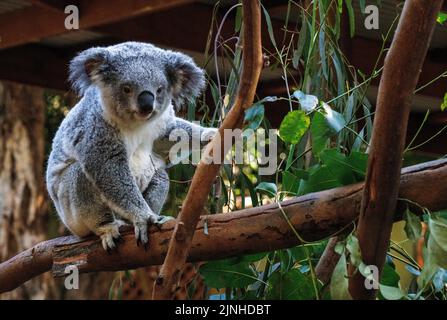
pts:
pixel 137 80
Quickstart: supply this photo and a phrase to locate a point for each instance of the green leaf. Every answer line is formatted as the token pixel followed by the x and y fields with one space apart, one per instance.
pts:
pixel 267 188
pixel 358 162
pixel 254 116
pixel 444 103
pixel 339 166
pixel 351 16
pixel 299 253
pixel 391 293
pixel 352 245
pixel 322 50
pixel 301 42
pixel 290 183
pixel 413 227
pixel 308 102
pixel 362 5
pixel 254 257
pixel 251 189
pixel 320 178
pixel 438 232
pixel 321 132
pixel 436 252
pixel 238 20
pixel 269 26
pixel 223 274
pixel 335 120
pixel 340 74
pixel 325 124
pixel 339 281
pixel 294 126
pixel 442 17
pixel 389 276
pixel 292 285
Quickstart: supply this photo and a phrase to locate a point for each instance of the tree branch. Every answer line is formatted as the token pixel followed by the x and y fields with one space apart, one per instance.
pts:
pixel 401 71
pixel 206 173
pixel 314 216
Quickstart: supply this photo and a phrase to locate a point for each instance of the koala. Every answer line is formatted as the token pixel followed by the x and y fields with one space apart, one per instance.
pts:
pixel 103 170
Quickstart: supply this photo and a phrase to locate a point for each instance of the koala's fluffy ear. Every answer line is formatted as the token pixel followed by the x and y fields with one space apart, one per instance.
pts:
pixel 185 77
pixel 86 67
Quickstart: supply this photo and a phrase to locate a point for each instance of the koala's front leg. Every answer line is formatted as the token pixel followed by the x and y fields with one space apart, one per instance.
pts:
pixel 195 131
pixel 105 163
pixel 157 190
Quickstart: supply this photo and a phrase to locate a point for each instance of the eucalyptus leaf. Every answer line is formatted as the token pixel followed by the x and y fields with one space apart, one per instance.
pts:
pixel 290 183
pixel 335 120
pixel 294 126
pixel 221 274
pixel 307 102
pixel 413 227
pixel 254 116
pixel 435 255
pixel 351 16
pixel 444 101
pixel 338 165
pixel 320 178
pixel 292 285
pixel 391 293
pixel 339 281
pixel 321 132
pixel 352 245
pixel 267 188
pixel 442 17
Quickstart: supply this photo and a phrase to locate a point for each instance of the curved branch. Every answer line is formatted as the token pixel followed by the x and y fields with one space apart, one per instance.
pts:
pixel 206 173
pixel 315 216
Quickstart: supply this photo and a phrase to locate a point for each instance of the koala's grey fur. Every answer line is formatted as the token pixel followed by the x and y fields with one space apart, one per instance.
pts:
pixel 102 169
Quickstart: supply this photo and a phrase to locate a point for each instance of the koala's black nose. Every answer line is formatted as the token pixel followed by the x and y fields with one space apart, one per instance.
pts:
pixel 146 101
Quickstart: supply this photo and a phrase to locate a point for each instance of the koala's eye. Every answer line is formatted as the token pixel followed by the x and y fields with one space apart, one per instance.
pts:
pixel 127 89
pixel 159 90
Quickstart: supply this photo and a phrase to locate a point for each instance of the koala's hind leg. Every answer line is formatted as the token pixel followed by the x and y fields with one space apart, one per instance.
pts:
pixel 107 228
pixel 157 192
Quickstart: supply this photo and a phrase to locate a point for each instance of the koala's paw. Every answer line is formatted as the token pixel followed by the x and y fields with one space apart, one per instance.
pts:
pixel 162 219
pixel 208 134
pixel 110 235
pixel 141 227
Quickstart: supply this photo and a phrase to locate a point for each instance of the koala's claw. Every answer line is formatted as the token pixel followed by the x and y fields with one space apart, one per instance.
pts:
pixel 109 235
pixel 162 220
pixel 141 232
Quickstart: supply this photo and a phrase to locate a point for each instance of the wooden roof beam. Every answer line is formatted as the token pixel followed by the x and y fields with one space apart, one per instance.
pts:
pixel 36 22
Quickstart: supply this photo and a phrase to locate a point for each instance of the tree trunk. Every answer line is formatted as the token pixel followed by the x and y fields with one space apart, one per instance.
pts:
pixel 23 203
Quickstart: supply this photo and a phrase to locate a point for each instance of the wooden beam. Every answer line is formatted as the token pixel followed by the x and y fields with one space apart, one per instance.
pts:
pixel 32 24
pixel 193 36
pixel 54 5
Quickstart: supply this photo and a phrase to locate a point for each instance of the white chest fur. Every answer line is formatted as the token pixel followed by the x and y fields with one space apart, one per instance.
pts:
pixel 139 144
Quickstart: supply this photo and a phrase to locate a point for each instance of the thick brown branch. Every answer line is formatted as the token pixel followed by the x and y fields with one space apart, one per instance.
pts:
pixel 206 173
pixel 400 75
pixel 314 216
